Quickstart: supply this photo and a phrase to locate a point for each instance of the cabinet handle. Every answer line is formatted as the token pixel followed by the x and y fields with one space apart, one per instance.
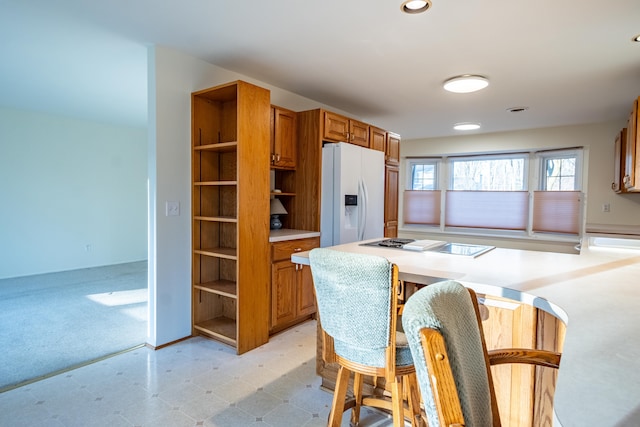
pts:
pixel 297 249
pixel 277 157
pixel 613 185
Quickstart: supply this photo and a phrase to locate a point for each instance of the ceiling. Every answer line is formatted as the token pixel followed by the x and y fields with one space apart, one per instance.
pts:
pixel 569 61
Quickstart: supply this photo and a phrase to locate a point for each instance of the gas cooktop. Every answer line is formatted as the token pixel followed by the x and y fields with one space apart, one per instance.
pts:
pixel 390 243
pixel 432 246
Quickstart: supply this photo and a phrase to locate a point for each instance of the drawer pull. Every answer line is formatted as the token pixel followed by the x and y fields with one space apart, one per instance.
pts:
pixel 297 249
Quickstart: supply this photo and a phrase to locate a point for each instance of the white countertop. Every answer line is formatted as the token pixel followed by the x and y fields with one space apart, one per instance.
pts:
pixel 596 293
pixel 290 234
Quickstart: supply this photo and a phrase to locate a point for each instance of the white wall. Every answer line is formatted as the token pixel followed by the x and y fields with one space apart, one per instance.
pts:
pixel 173 75
pixel 598 140
pixel 73 193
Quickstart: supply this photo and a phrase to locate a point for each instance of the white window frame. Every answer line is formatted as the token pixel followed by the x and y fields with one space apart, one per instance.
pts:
pixel 542 156
pixel 436 162
pixel 488 157
pixel 534 178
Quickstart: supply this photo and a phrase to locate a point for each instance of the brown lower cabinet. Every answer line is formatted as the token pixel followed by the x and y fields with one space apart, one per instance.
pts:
pixel 292 295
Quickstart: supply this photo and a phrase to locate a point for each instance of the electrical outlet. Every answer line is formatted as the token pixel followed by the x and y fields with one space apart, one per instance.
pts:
pixel 606 207
pixel 172 208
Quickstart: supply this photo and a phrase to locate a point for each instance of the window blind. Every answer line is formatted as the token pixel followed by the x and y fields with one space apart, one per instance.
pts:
pixel 422 207
pixel 556 211
pixel 487 209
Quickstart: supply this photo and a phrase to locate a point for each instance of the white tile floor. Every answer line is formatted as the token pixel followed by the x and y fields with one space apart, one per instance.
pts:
pixel 197 382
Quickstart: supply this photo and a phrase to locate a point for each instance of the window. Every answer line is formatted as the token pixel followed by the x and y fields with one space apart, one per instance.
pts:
pixel 423 174
pixel 557 205
pixel 488 192
pixel 485 173
pixel 421 201
pixel 559 170
pixel 533 192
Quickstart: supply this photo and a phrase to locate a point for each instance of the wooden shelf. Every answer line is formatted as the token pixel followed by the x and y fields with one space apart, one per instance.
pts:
pixel 273 193
pixel 227 253
pixel 221 328
pixel 221 146
pixel 225 288
pixel 216 218
pixel 216 183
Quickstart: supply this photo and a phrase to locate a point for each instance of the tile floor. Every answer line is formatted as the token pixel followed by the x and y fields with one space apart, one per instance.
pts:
pixel 197 382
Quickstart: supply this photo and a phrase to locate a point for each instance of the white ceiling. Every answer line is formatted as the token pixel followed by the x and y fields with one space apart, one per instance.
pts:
pixel 569 61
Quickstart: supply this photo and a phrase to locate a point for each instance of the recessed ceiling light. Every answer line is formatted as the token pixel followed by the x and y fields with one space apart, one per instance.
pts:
pixel 636 38
pixel 466 83
pixel 415 6
pixel 466 126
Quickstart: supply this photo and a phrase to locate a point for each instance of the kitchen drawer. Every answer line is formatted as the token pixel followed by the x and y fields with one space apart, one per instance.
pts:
pixel 283 250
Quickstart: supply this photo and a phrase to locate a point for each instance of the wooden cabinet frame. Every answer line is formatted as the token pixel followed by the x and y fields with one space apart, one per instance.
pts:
pixel 230 183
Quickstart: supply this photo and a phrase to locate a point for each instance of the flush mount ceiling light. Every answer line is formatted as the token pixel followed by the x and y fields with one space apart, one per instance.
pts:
pixel 636 38
pixel 466 126
pixel 466 83
pixel 415 6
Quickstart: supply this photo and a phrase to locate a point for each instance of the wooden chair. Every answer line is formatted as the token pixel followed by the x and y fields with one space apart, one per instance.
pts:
pixel 443 326
pixel 358 306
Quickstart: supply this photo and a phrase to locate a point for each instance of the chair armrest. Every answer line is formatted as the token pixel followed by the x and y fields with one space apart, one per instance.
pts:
pixel 550 359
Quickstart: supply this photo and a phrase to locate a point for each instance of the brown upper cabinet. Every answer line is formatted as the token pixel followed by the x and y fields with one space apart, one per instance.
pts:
pixel 620 160
pixel 343 129
pixel 283 138
pixel 392 150
pixel 377 138
pixel 631 176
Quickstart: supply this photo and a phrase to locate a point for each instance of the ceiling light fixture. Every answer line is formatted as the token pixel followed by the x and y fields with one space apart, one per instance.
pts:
pixel 466 126
pixel 466 83
pixel 415 6
pixel 636 38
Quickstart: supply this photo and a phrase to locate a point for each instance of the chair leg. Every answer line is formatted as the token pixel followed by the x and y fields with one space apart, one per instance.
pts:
pixel 397 403
pixel 357 393
pixel 413 399
pixel 339 396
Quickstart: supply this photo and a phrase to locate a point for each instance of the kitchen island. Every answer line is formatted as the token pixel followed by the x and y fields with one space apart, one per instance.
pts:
pixel 595 293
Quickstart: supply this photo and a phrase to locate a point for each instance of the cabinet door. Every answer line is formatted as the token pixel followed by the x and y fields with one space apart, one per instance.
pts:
pixel 391 200
pixel 377 138
pixel 359 133
pixel 393 149
pixel 619 161
pixel 283 293
pixel 284 138
pixel 336 127
pixel 632 164
pixel 306 295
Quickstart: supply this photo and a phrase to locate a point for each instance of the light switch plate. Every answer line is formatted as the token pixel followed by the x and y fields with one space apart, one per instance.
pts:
pixel 172 208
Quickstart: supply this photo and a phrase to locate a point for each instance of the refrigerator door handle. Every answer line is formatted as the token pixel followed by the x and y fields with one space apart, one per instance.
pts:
pixel 365 203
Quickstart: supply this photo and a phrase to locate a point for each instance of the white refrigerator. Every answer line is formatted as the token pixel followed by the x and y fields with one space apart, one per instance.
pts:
pixel 352 202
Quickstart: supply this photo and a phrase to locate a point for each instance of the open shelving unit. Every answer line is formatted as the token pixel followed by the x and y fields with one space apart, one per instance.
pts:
pixel 230 166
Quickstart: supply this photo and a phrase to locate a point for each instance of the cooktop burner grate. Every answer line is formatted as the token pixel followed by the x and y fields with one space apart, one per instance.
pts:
pixel 390 243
